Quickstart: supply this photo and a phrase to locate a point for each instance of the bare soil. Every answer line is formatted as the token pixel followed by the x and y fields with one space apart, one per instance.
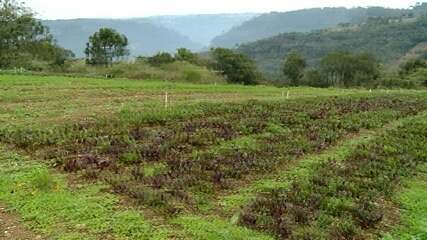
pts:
pixel 11 228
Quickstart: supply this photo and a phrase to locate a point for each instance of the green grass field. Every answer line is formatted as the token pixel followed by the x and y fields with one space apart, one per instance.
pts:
pixel 85 158
pixel 45 100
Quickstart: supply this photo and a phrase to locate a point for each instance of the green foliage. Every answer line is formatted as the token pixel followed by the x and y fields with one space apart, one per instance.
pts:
pixel 131 157
pixel 293 67
pixel 346 69
pixel 43 181
pixel 177 71
pixel 315 78
pixel 412 66
pixel 160 59
pixel 412 74
pixel 193 76
pixel 24 40
pixel 105 47
pixel 237 67
pixel 418 78
pixel 184 54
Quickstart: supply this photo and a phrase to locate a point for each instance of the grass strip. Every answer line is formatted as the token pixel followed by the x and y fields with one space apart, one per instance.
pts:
pixel 413 204
pixel 215 229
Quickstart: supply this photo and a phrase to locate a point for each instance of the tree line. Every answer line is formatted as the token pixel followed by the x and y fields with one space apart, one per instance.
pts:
pixel 346 69
pixel 335 69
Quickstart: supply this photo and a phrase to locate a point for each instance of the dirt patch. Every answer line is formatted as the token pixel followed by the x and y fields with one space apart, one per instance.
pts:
pixel 12 229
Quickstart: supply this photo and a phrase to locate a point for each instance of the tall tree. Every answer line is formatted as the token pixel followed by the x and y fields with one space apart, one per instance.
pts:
pixel 105 47
pixel 347 69
pixel 238 68
pixel 22 37
pixel 293 67
pixel 184 54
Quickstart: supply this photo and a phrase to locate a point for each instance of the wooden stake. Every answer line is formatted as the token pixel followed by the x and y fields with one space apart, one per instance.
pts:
pixel 166 99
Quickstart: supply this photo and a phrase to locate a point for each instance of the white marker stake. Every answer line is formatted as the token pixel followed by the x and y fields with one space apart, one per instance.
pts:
pixel 370 90
pixel 166 99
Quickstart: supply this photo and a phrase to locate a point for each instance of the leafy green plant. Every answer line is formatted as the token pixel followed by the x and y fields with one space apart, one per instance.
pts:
pixel 43 181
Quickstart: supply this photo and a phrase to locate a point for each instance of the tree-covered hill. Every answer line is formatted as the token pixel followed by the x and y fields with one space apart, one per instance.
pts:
pixel 271 24
pixel 145 38
pixel 388 40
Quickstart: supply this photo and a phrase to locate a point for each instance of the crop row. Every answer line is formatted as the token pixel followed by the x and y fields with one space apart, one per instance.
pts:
pixel 175 157
pixel 293 135
pixel 342 200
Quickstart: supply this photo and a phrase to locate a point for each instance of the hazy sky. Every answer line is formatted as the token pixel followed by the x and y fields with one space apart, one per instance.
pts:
pixel 65 9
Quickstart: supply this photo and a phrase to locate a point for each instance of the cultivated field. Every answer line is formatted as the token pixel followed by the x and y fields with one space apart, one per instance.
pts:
pixel 123 159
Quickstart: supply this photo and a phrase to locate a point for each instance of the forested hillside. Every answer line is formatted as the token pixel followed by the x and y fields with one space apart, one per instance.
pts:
pixel 271 24
pixel 387 40
pixel 204 27
pixel 144 37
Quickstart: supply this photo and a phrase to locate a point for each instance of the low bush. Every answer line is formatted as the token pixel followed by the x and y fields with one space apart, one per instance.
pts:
pixel 176 71
pixel 43 181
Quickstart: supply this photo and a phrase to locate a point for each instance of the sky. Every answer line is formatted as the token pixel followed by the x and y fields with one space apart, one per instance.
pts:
pixel 68 9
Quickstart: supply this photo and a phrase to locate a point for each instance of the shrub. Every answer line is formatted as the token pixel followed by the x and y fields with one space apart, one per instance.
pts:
pixel 237 67
pixel 193 76
pixel 43 181
pixel 315 78
pixel 160 59
pixel 412 66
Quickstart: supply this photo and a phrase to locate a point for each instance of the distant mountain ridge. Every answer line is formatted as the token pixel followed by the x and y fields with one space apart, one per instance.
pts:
pixel 150 35
pixel 145 38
